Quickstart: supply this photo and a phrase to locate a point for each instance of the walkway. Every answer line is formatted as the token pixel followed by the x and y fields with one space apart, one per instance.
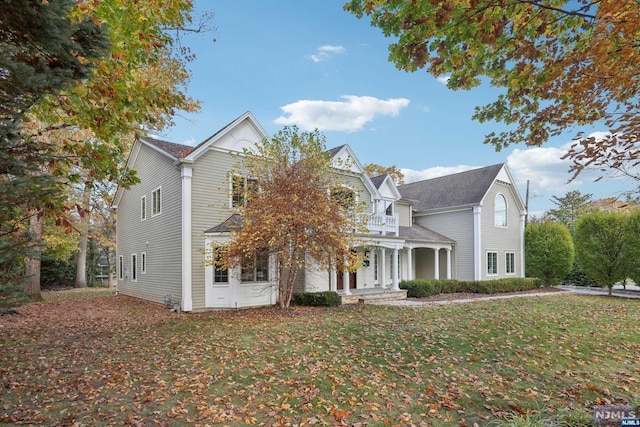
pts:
pixel 632 292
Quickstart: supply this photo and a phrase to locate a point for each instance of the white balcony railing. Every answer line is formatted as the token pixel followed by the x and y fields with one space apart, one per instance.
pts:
pixel 382 224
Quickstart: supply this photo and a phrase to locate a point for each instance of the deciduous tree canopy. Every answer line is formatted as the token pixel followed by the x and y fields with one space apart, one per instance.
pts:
pixel 562 64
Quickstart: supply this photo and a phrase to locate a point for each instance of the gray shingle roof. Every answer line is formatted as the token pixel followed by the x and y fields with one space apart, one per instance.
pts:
pixel 421 233
pixel 378 180
pixel 460 189
pixel 230 224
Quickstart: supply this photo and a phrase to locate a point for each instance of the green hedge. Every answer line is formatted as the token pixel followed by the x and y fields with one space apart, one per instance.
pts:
pixel 324 299
pixel 422 288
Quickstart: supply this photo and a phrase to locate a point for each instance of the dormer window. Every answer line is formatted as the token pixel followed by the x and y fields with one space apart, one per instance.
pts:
pixel 389 210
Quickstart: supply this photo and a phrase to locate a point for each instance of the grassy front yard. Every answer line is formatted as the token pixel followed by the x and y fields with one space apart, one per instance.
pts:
pixel 98 359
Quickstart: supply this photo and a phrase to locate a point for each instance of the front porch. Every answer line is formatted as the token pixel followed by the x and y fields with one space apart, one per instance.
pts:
pixel 372 294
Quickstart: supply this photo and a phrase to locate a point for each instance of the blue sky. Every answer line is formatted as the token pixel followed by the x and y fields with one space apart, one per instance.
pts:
pixel 312 64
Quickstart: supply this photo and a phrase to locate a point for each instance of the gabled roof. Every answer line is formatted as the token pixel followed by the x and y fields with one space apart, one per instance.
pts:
pixel 417 232
pixel 378 180
pixel 461 189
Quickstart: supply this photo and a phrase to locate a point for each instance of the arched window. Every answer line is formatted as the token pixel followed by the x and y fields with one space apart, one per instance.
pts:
pixel 500 211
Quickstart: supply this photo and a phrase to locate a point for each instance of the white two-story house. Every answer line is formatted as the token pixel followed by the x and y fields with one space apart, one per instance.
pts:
pixel 464 226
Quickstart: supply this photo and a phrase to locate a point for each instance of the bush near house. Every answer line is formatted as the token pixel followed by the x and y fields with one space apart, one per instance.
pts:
pixel 422 288
pixel 317 299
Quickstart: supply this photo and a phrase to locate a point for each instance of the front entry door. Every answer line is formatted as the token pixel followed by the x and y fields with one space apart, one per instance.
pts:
pixel 352 280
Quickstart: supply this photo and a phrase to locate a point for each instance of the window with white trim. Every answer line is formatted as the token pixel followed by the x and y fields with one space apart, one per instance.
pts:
pixel 241 187
pixel 389 210
pixel 500 211
pixel 143 263
pixel 143 208
pixel 121 267
pixel 220 275
pixel 156 202
pixel 510 262
pixel 134 267
pixel 492 263
pixel 257 268
pixel 375 267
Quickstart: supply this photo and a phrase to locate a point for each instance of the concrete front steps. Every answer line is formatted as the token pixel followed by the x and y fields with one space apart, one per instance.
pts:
pixel 364 296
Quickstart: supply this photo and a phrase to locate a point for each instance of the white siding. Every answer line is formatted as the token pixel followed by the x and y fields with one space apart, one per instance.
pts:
pixel 157 236
pixel 500 239
pixel 457 225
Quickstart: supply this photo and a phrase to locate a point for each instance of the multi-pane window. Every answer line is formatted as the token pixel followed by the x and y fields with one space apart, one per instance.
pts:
pixel 241 188
pixel 492 263
pixel 220 275
pixel 156 202
pixel 345 197
pixel 256 269
pixel 510 262
pixel 389 210
pixel 375 267
pixel 120 267
pixel 143 263
pixel 500 211
pixel 143 208
pixel 134 268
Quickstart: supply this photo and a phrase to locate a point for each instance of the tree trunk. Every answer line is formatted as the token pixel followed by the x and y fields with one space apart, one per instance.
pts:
pixel 32 264
pixel 81 265
pixel 111 282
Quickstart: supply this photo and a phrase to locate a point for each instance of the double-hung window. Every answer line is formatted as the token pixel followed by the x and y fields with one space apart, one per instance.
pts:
pixel 257 268
pixel 156 202
pixel 510 263
pixel 492 263
pixel 134 267
pixel 120 267
pixel 143 208
pixel 220 275
pixel 241 188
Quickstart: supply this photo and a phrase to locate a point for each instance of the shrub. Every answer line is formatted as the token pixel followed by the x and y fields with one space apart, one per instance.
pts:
pixel 421 288
pixel 317 299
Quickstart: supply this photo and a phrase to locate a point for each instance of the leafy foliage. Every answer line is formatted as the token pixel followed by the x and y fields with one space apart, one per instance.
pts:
pixel 421 288
pixel 562 65
pixel 137 363
pixel 569 207
pixel 605 246
pixel 292 214
pixel 373 169
pixel 317 299
pixel 549 251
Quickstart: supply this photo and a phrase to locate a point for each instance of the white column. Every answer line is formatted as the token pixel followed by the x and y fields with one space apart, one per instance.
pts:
pixel 522 226
pixel 409 264
pixel 436 263
pixel 394 270
pixel 383 267
pixel 477 244
pixel 345 280
pixel 186 173
pixel 448 263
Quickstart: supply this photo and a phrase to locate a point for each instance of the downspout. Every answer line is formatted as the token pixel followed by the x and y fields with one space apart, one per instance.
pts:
pixel 477 244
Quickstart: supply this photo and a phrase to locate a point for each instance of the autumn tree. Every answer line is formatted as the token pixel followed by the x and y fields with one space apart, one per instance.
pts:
pixel 561 65
pixel 396 174
pixel 604 244
pixel 569 207
pixel 549 251
pixel 296 212
pixel 43 51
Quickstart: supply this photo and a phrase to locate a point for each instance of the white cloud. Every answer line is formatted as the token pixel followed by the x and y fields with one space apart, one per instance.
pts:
pixel 411 175
pixel 324 53
pixel 349 115
pixel 443 79
pixel 544 168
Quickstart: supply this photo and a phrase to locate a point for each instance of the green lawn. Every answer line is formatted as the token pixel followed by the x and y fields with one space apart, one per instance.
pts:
pixel 99 359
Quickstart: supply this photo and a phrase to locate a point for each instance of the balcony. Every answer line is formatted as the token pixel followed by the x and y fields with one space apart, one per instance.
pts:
pixel 382 224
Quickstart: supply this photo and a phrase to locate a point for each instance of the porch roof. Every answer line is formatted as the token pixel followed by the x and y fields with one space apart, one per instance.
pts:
pixel 424 234
pixel 232 223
